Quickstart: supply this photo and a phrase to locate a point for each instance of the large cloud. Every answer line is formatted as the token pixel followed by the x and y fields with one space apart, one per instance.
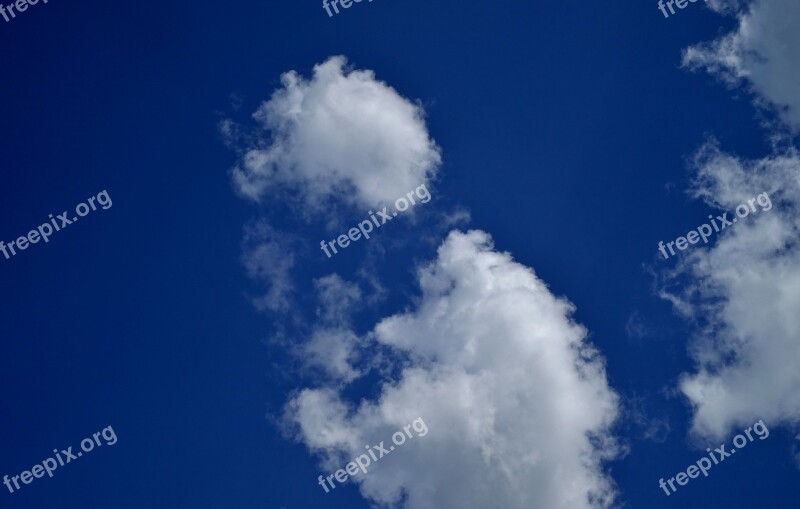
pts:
pixel 342 134
pixel 764 50
pixel 516 401
pixel 745 292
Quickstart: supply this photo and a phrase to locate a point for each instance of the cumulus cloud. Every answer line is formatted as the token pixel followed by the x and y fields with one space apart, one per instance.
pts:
pixel 516 400
pixel 342 133
pixel 745 292
pixel 764 51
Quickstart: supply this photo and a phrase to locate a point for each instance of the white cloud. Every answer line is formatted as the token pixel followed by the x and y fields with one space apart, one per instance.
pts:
pixel 336 297
pixel 332 347
pixel 267 257
pixel 515 399
pixel 342 133
pixel 745 292
pixel 764 51
pixel 335 352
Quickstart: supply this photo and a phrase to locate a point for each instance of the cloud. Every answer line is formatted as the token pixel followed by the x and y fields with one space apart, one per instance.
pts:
pixel 335 352
pixel 744 293
pixel 341 134
pixel 332 347
pixel 516 400
pixel 267 257
pixel 764 51
pixel 635 327
pixel 336 297
pixel 643 421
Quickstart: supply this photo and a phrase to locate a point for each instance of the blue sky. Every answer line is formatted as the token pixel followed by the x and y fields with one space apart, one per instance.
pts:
pixel 236 363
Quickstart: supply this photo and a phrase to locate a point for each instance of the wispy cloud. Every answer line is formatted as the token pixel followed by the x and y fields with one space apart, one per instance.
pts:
pixel 744 293
pixel 764 52
pixel 267 257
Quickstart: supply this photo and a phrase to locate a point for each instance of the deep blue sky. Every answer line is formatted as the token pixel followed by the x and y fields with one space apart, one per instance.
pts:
pixel 565 128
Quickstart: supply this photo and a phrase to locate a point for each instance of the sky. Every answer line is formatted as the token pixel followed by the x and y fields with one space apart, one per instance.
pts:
pixel 196 309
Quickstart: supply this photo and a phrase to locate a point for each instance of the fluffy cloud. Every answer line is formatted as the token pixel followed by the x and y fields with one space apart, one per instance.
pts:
pixel 516 401
pixel 764 51
pixel 342 133
pixel 745 292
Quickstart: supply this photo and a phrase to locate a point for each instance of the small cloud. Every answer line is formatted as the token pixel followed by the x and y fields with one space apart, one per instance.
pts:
pixel 638 413
pixel 635 328
pixel 268 258
pixel 340 135
pixel 236 100
pixel 336 297
pixel 333 351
